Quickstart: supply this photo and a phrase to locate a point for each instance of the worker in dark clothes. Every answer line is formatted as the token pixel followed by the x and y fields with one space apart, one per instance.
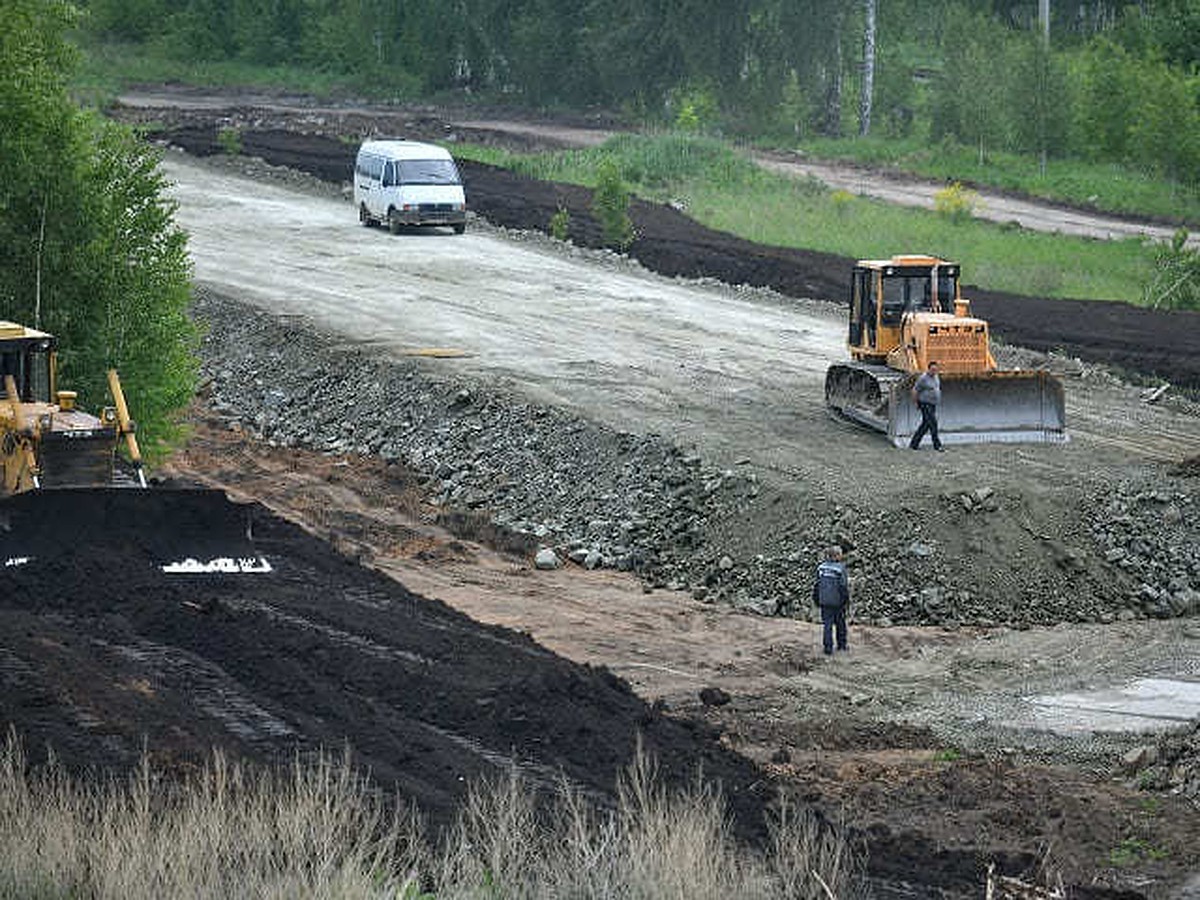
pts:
pixel 927 392
pixel 831 592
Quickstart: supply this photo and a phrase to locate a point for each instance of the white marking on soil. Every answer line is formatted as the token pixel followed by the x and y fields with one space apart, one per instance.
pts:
pixel 243 565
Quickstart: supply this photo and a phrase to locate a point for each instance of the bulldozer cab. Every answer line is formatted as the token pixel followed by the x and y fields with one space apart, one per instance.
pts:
pixel 883 291
pixel 28 356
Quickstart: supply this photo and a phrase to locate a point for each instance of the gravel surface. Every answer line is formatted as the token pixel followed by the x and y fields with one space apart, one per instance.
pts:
pixel 1117 545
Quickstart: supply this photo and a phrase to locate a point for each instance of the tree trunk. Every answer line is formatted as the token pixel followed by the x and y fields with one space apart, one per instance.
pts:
pixel 833 85
pixel 868 79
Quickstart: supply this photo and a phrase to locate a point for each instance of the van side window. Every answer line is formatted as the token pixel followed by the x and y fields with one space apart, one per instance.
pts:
pixel 389 174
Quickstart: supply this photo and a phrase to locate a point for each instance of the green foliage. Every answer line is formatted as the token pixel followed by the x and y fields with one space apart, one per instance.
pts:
pixel 956 202
pixel 842 202
pixel 610 205
pixel 560 224
pixel 230 140
pixel 652 165
pixel 108 66
pixel 969 97
pixel 1099 185
pixel 411 890
pixel 1133 851
pixel 949 754
pixel 1105 101
pixel 1176 280
pixel 1117 89
pixel 695 109
pixel 88 247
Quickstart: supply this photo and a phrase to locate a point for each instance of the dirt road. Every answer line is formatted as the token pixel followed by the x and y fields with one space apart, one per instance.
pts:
pixel 903 190
pixel 992 206
pixel 893 188
pixel 596 334
pixel 738 373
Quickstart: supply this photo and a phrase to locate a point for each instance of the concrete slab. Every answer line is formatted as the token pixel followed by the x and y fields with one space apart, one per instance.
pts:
pixel 1144 705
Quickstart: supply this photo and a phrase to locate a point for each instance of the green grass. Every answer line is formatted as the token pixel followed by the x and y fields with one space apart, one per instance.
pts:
pixel 949 754
pixel 107 68
pixel 1102 186
pixel 1132 851
pixel 723 190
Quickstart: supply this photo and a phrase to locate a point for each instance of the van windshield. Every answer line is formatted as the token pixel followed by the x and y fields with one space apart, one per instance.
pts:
pixel 428 171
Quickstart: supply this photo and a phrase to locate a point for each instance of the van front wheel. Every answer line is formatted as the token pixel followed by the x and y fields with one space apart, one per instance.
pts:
pixel 460 228
pixel 394 223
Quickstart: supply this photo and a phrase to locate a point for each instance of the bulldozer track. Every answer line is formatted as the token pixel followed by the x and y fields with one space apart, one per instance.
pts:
pixel 336 635
pixel 210 688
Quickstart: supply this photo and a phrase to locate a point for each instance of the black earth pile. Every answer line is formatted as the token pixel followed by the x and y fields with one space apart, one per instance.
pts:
pixel 53 527
pixel 1153 343
pixel 102 654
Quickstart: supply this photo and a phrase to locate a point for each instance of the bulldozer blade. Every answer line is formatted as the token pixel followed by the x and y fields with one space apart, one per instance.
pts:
pixel 998 407
pixel 175 530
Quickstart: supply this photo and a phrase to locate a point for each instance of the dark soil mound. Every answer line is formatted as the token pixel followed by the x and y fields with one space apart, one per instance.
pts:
pixel 1154 343
pixel 160 527
pixel 103 653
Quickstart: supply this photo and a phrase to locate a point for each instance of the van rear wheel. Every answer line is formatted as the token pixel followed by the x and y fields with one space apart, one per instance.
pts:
pixel 364 217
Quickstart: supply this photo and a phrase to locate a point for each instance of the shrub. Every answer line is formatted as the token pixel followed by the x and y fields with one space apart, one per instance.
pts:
pixel 843 202
pixel 610 205
pixel 318 829
pixel 695 109
pixel 560 224
pixel 956 202
pixel 1175 283
pixel 230 140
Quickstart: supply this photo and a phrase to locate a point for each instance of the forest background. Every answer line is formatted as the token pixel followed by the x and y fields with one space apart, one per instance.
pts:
pixel 1112 81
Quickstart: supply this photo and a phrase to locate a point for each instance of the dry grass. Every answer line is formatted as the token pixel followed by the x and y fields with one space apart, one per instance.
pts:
pixel 318 830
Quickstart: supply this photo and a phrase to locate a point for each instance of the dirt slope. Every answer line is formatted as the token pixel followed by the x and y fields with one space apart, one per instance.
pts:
pixel 932 817
pixel 104 652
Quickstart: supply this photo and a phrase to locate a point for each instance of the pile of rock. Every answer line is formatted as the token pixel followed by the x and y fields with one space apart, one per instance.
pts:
pixel 1147 533
pixel 581 492
pixel 593 495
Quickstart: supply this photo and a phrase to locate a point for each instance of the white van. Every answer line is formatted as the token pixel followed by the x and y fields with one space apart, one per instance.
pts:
pixel 408 183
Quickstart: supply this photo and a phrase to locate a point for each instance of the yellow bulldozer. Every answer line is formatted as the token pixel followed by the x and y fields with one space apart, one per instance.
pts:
pixel 908 311
pixel 64 493
pixel 45 441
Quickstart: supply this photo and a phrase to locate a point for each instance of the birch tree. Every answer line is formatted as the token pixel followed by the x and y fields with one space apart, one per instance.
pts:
pixel 868 76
